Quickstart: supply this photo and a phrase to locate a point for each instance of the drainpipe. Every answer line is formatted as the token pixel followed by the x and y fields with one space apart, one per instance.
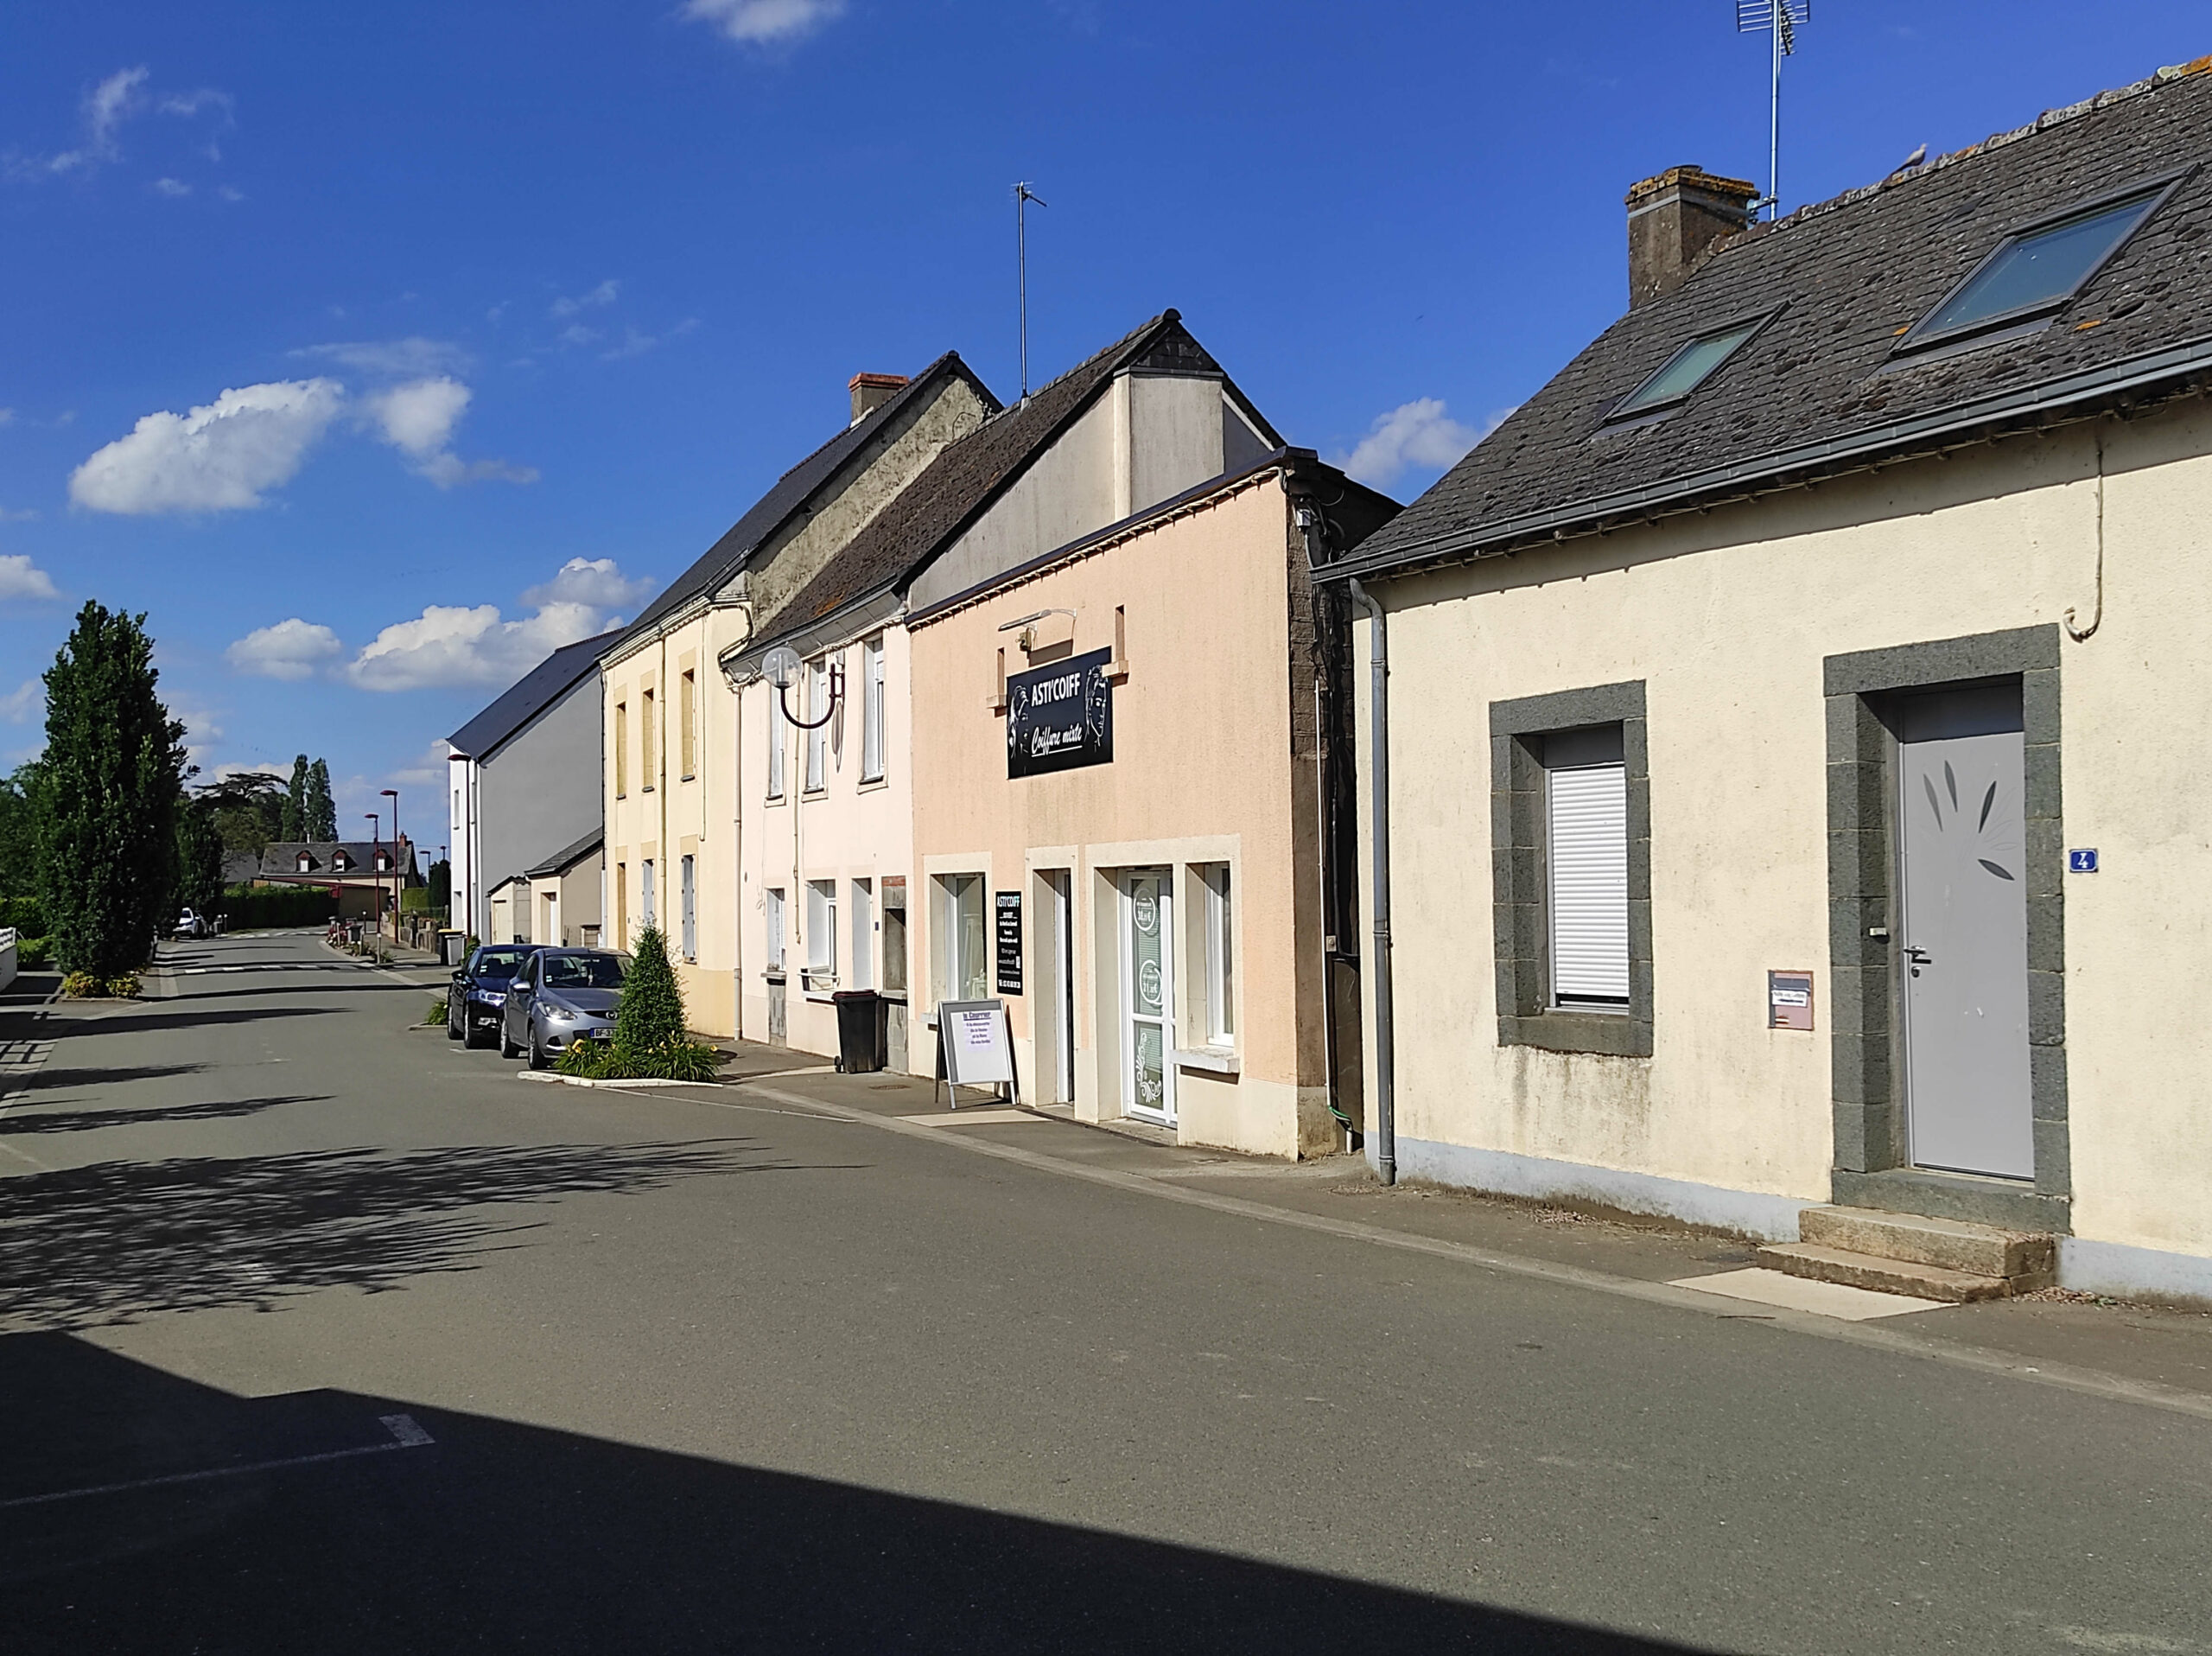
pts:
pixel 1386 1114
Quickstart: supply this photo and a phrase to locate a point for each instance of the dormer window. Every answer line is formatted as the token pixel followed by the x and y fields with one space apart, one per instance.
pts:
pixel 307 863
pixel 2038 267
pixel 383 863
pixel 342 862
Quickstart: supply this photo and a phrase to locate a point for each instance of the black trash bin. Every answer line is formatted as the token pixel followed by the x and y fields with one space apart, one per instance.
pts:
pixel 862 1030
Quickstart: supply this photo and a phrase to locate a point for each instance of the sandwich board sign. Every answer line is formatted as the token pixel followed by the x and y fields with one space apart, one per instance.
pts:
pixel 975 1046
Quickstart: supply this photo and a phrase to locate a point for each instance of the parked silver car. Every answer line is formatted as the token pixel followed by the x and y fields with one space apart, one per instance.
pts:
pixel 557 996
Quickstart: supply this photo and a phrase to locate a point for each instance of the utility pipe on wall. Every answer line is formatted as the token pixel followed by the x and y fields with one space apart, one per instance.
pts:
pixel 1386 1113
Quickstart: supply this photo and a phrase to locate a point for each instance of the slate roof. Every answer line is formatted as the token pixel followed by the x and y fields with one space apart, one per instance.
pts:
pixel 954 487
pixel 791 492
pixel 1819 389
pixel 280 859
pixel 568 856
pixel 530 695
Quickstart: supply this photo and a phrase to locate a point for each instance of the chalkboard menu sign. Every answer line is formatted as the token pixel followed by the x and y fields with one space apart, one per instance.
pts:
pixel 1060 718
pixel 1009 942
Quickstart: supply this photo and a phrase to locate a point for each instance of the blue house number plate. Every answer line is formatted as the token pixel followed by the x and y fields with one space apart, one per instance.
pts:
pixel 2082 861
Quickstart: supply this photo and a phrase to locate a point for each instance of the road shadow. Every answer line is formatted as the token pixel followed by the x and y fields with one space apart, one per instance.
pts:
pixel 499 1536
pixel 49 1078
pixel 143 1023
pixel 114 1241
pixel 48 1120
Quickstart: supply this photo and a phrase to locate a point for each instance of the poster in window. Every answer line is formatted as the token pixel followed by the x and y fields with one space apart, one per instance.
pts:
pixel 1060 718
pixel 1008 907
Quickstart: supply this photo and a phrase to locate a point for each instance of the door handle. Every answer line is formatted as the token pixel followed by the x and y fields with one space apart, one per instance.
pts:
pixel 1917 958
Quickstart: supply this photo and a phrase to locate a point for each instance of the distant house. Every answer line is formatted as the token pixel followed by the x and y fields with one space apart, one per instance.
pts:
pixel 361 871
pixel 557 901
pixel 524 784
pixel 241 867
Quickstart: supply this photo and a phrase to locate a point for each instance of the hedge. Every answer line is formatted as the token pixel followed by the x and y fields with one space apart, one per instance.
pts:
pixel 26 914
pixel 245 908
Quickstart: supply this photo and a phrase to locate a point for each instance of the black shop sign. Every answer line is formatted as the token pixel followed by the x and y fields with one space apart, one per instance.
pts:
pixel 1059 717
pixel 1009 942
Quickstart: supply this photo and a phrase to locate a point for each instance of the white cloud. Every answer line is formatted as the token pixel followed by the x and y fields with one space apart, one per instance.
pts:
pixel 104 107
pixel 291 649
pixel 450 645
pixel 446 470
pixel 19 704
pixel 637 343
pixel 1418 434
pixel 447 645
pixel 577 334
pixel 172 188
pixel 604 294
pixel 418 418
pixel 218 458
pixel 21 578
pixel 762 23
pixel 411 358
pixel 597 581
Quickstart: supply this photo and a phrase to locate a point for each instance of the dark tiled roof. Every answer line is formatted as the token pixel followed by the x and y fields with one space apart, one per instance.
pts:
pixel 1851 274
pixel 280 859
pixel 964 480
pixel 568 856
pixel 530 695
pixel 791 491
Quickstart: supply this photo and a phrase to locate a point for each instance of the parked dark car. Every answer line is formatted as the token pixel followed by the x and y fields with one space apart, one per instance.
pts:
pixel 557 996
pixel 479 993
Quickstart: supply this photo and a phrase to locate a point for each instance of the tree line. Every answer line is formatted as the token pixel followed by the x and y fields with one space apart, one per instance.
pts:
pixel 102 828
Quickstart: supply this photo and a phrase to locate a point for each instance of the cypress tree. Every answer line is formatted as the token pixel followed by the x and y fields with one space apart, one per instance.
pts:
pixel 108 792
pixel 199 857
pixel 292 826
pixel 651 1010
pixel 321 813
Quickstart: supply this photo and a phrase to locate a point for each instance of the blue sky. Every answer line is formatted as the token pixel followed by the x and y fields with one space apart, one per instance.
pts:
pixel 374 350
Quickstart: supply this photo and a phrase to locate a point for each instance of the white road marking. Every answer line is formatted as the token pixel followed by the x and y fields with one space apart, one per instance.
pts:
pixel 970 1118
pixel 406 1435
pixel 1763 1287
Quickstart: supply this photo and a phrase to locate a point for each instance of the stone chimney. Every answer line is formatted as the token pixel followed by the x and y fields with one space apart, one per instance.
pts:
pixel 871 390
pixel 1673 220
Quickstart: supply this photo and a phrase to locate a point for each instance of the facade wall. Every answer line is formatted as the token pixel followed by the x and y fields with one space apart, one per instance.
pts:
pixel 850 830
pixel 571 900
pixel 1202 772
pixel 537 794
pixel 1725 620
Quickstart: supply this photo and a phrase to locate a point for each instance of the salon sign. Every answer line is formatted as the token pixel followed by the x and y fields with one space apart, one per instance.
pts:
pixel 1060 718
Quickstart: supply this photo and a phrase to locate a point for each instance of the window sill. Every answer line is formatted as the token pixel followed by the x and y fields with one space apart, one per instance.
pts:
pixel 688 776
pixel 773 975
pixel 1606 1034
pixel 821 793
pixel 1221 1060
pixel 871 784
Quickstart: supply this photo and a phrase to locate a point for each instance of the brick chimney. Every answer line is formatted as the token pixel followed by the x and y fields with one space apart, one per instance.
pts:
pixel 1673 220
pixel 871 390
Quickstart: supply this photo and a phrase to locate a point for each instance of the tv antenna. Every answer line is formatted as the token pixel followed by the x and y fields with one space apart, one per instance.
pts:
pixel 1782 19
pixel 1023 195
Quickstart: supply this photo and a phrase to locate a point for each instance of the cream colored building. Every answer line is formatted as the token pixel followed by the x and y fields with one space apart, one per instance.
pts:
pixel 676 815
pixel 1795 720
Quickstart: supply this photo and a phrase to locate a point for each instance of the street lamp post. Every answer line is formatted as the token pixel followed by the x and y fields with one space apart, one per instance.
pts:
pixel 398 880
pixel 375 821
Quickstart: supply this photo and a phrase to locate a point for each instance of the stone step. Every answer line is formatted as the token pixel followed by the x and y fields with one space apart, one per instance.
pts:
pixel 2025 1259
pixel 1825 1265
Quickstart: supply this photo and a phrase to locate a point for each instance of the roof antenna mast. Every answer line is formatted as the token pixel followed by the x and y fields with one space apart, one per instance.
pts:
pixel 1023 195
pixel 1782 19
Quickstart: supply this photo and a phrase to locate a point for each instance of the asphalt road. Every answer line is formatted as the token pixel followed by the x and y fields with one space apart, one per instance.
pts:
pixel 317 1334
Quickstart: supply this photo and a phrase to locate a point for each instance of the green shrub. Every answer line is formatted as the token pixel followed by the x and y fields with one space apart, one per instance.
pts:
pixel 26 914
pixel 33 953
pixel 651 1015
pixel 82 985
pixel 251 907
pixel 434 1013
pixel 592 1060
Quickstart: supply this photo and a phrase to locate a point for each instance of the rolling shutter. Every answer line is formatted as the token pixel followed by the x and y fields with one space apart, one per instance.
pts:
pixel 1588 815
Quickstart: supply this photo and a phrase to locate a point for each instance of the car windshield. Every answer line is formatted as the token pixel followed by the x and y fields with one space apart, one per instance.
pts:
pixel 499 963
pixel 584 971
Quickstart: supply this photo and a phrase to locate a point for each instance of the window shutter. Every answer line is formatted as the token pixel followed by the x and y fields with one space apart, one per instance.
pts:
pixel 1588 813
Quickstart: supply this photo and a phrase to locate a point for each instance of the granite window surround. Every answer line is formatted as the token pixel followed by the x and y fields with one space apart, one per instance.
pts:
pixel 1872 1161
pixel 1519 905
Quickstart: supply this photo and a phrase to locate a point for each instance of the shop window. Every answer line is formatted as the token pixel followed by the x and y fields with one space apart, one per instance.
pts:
pixel 1217 953
pixel 962 951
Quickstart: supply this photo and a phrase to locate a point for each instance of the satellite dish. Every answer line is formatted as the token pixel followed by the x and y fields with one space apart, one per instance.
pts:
pixel 782 666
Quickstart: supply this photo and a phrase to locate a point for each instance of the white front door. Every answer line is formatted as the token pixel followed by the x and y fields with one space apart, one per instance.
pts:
pixel 1147 996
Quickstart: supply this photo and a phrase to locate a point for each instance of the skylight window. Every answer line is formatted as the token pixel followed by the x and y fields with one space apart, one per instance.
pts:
pixel 2038 269
pixel 1685 371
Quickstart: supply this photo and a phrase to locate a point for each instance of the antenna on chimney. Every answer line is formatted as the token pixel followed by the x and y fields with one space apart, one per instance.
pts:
pixel 1782 19
pixel 1023 195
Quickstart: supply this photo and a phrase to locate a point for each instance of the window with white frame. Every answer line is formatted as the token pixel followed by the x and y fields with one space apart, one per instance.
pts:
pixel 690 908
pixel 1217 949
pixel 777 725
pixel 773 955
pixel 1586 810
pixel 822 929
pixel 645 893
pixel 872 711
pixel 818 715
pixel 962 951
pixel 861 972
